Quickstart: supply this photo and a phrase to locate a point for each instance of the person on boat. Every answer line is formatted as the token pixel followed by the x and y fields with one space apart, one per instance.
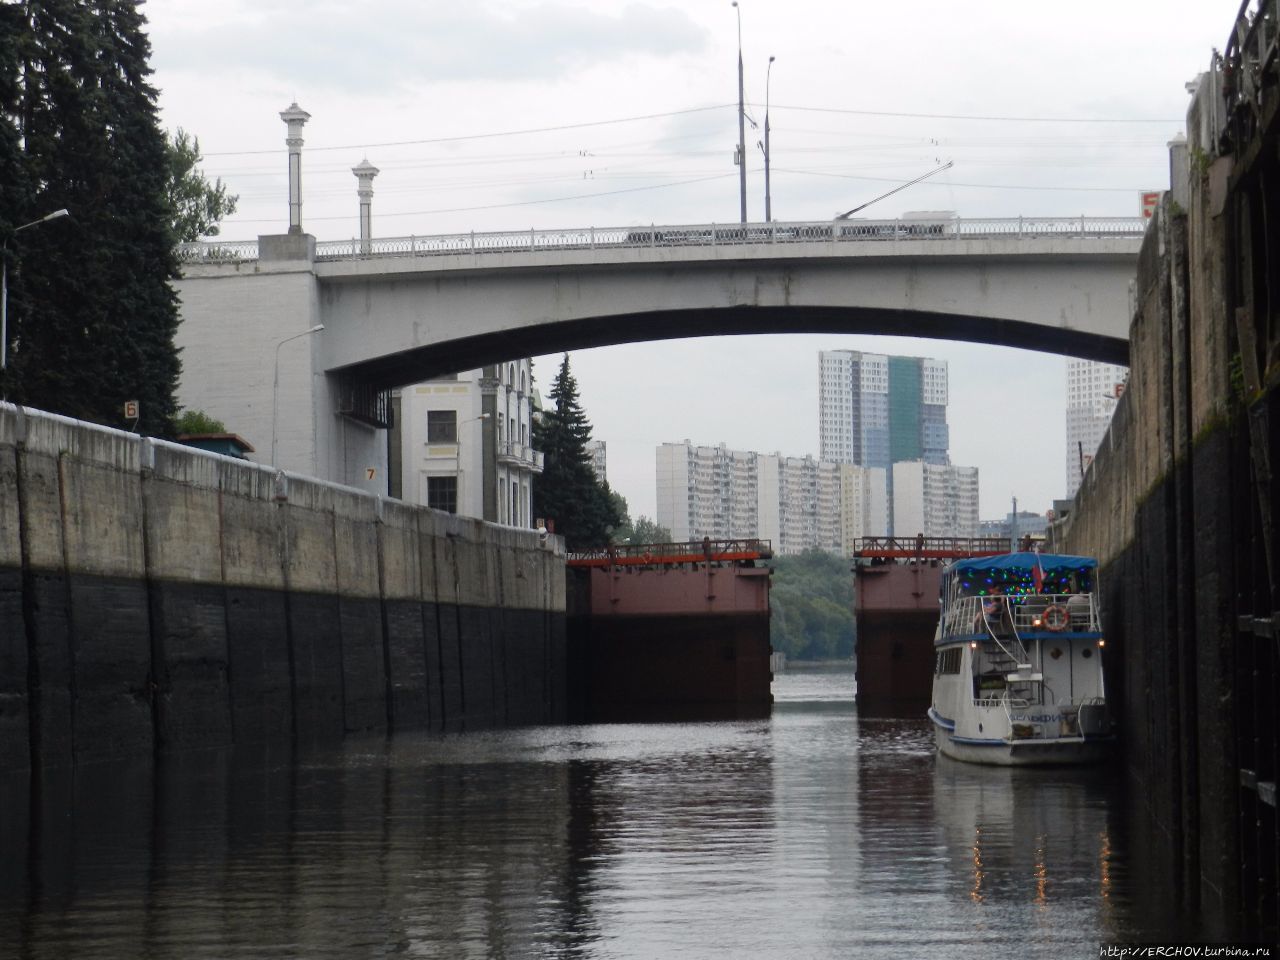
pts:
pixel 995 611
pixel 1078 607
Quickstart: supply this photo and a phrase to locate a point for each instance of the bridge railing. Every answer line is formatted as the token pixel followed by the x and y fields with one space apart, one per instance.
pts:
pixel 669 554
pixel 881 548
pixel 695 235
pixel 218 251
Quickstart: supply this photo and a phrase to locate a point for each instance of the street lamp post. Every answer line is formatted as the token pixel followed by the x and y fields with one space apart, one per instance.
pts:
pixel 275 386
pixel 460 474
pixel 768 201
pixel 742 128
pixel 4 282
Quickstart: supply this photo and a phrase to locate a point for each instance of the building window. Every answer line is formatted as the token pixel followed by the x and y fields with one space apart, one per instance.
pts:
pixel 442 426
pixel 442 494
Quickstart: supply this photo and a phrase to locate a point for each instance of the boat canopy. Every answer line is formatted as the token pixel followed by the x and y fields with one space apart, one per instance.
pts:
pixel 1026 560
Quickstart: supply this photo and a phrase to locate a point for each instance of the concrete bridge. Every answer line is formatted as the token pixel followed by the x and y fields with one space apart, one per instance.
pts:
pixel 402 310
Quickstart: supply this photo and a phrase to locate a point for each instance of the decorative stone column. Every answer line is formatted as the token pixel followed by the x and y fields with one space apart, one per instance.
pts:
pixel 365 174
pixel 295 117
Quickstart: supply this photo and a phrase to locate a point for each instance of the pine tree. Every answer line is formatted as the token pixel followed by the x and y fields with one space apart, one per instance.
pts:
pixel 98 315
pixel 567 491
pixel 14 188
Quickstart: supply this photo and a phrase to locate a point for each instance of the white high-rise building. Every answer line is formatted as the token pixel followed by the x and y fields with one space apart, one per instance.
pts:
pixel 1093 389
pixel 707 491
pixel 797 503
pixel 934 499
pixel 463 444
pixel 874 410
pixel 596 450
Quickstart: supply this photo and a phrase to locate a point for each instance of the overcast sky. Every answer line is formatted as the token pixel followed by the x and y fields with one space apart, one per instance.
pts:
pixel 507 116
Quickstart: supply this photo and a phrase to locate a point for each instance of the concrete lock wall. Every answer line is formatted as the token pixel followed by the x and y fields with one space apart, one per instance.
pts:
pixel 154 597
pixel 1156 508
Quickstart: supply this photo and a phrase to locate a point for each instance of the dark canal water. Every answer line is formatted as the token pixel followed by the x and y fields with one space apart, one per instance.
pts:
pixel 812 834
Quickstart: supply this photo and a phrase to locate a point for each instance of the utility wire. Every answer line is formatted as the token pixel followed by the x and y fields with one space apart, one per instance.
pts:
pixel 677 113
pixel 516 203
pixel 487 136
pixel 952 183
pixel 965 116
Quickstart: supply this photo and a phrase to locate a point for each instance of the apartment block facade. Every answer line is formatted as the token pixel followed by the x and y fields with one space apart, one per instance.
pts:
pixel 938 500
pixel 1093 390
pixel 797 503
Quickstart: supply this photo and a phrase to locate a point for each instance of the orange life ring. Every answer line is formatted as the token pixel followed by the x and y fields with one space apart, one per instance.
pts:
pixel 1055 618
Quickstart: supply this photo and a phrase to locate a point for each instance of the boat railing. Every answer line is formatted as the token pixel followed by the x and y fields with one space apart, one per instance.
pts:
pixel 1023 613
pixel 1056 612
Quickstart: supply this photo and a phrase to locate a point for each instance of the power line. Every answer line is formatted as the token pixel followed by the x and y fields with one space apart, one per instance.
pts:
pixel 952 183
pixel 690 110
pixel 516 203
pixel 486 136
pixel 964 116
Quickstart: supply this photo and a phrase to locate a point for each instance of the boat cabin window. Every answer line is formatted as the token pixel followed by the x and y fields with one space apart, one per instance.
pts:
pixel 948 661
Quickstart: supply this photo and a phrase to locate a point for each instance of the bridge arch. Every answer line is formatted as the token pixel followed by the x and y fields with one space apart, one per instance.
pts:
pixel 412 309
pixel 470 352
pixel 392 323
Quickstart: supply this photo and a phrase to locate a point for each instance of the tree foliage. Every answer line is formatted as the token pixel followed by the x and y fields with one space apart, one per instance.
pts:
pixel 568 492
pixel 92 315
pixel 640 530
pixel 193 422
pixel 198 205
pixel 812 606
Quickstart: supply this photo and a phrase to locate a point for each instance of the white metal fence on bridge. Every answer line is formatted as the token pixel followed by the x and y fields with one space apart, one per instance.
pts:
pixel 698 235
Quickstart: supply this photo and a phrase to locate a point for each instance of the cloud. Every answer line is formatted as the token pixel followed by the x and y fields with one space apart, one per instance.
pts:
pixel 368 49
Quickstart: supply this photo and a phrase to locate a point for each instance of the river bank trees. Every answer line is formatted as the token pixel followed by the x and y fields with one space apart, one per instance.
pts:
pixel 812 606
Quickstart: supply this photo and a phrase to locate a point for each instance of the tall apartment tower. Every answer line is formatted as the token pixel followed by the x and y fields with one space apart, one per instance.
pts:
pixel 876 410
pixel 598 452
pixel 1092 391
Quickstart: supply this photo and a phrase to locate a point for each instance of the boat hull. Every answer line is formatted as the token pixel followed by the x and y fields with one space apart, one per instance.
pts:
pixel 1005 753
pixel 1017 751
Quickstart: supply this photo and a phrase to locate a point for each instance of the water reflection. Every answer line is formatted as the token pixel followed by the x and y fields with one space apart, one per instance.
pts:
pixel 1037 846
pixel 813 833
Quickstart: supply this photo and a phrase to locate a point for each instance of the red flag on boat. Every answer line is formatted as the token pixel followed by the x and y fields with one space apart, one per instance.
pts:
pixel 1037 573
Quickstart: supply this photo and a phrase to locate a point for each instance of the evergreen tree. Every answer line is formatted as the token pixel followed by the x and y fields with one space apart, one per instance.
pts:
pixel 567 491
pixel 14 190
pixel 97 314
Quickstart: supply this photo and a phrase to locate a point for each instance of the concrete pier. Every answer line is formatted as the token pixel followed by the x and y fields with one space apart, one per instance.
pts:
pixel 1178 508
pixel 156 598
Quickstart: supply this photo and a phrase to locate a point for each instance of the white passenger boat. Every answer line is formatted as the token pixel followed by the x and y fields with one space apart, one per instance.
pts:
pixel 1018 666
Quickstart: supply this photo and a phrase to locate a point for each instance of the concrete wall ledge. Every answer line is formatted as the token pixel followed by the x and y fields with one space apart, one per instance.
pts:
pixel 157 597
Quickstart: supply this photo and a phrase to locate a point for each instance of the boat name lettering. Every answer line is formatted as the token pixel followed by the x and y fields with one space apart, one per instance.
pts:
pixel 1036 717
